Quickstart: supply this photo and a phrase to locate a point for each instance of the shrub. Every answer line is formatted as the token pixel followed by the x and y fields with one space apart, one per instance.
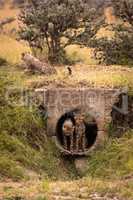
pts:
pixel 2 62
pixel 117 50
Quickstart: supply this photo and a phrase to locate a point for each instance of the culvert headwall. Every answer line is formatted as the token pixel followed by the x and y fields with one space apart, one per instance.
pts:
pixel 95 104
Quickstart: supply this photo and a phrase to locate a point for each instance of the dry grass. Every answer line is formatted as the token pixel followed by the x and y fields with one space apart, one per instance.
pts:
pixel 77 54
pixel 82 188
pixel 83 75
pixel 8 12
pixel 11 50
pixel 27 189
pixel 87 187
pixel 86 76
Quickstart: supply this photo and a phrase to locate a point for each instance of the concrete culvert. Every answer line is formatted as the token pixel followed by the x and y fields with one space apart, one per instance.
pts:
pixel 90 134
pixel 97 102
pixel 122 115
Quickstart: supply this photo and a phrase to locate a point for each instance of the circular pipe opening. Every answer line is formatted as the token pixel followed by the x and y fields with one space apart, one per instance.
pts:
pixel 91 130
pixel 91 134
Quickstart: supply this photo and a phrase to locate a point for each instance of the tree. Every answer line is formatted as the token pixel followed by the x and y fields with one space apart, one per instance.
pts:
pixel 117 50
pixel 56 24
pixel 124 10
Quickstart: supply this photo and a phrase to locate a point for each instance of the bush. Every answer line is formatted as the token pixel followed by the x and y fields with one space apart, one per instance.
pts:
pixel 117 50
pixel 2 61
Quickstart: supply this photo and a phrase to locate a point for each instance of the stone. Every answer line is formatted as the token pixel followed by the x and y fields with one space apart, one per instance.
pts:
pixel 81 165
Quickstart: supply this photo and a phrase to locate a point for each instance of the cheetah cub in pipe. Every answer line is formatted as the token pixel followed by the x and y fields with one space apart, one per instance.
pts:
pixel 68 134
pixel 80 132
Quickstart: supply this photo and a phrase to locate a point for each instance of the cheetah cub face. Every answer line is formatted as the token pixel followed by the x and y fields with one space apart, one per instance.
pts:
pixel 68 127
pixel 79 119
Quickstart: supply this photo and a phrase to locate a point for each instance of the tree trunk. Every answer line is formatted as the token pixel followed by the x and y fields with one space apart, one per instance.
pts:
pixel 55 51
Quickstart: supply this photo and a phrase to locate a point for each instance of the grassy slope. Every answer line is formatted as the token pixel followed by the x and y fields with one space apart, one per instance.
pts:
pixel 24 148
pixel 114 160
pixel 19 160
pixel 109 175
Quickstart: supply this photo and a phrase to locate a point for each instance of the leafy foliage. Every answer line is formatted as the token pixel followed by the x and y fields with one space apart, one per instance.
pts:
pixel 117 50
pixel 56 24
pixel 124 9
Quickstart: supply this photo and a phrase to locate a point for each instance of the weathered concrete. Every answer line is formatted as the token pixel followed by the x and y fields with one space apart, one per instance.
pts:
pixel 97 102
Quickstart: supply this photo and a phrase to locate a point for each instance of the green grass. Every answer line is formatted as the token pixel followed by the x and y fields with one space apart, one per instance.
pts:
pixel 24 146
pixel 84 55
pixel 114 160
pixel 17 157
pixel 25 156
pixel 21 128
pixel 10 169
pixel 23 153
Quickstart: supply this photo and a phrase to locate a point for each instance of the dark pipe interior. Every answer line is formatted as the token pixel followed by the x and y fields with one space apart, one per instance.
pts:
pixel 91 130
pixel 60 123
pixel 122 121
pixel 91 134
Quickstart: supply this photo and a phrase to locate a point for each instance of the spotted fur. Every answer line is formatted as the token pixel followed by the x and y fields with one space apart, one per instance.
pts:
pixel 68 134
pixel 80 133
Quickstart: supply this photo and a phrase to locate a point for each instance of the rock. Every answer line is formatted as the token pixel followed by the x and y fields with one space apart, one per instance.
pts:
pixel 81 165
pixel 56 191
pixel 84 195
pixel 84 189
